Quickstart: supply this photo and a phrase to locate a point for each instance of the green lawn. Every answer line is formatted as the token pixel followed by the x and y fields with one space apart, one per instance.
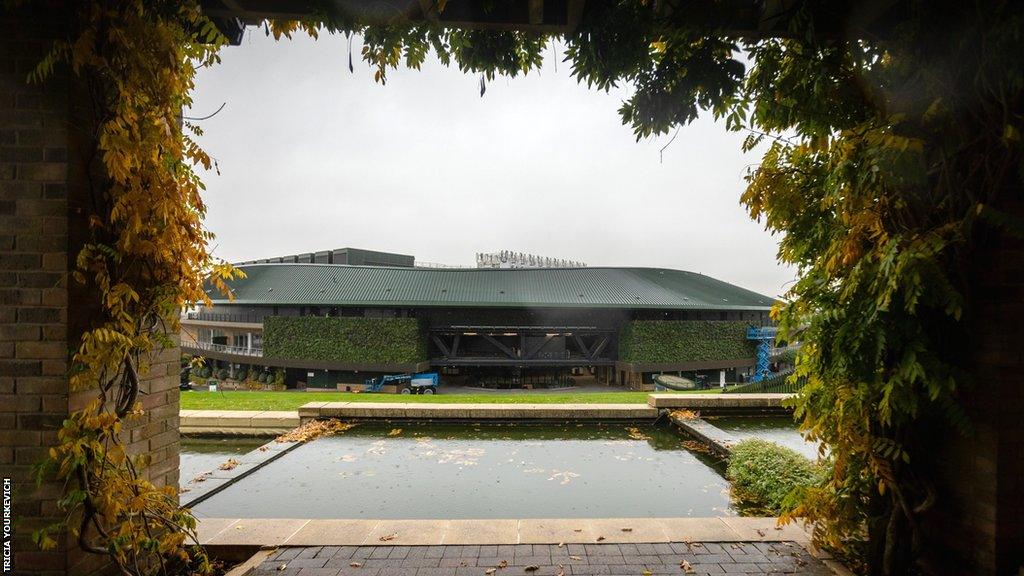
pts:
pixel 245 400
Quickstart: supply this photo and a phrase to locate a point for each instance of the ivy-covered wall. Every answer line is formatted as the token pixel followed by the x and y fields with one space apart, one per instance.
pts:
pixel 364 340
pixel 684 341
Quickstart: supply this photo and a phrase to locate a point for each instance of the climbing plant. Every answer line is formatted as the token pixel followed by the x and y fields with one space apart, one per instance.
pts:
pixel 684 341
pixel 146 257
pixel 369 340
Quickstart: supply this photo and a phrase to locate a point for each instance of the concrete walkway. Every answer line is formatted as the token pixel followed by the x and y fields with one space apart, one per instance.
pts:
pixel 238 422
pixel 477 412
pixel 273 532
pixel 750 403
pixel 630 559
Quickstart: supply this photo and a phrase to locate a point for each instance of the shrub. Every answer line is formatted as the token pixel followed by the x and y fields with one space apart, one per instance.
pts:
pixel 764 474
pixel 241 375
pixel 222 374
pixel 265 378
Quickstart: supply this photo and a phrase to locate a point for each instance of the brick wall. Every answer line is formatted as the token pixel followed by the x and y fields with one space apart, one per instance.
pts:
pixel 33 281
pixel 43 210
pixel 978 519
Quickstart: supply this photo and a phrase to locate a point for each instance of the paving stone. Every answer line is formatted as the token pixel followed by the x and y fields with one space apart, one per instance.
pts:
pixel 471 551
pixel 328 552
pixel 307 562
pixel 447 571
pixel 421 562
pixel 712 559
pixel 287 553
pixel 435 552
pixel 310 552
pixel 488 551
pixel 571 560
pixel 399 552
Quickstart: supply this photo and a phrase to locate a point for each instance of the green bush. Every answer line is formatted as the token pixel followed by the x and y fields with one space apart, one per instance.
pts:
pixel 241 375
pixel 763 474
pixel 684 341
pixel 222 374
pixel 265 378
pixel 364 340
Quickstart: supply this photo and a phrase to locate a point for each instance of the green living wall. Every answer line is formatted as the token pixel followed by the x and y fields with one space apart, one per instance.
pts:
pixel 364 340
pixel 684 341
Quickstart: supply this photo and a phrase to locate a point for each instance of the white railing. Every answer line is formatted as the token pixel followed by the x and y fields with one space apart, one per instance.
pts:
pixel 779 350
pixel 210 347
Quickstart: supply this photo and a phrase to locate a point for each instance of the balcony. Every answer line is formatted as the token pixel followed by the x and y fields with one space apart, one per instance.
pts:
pixel 227 317
pixel 224 349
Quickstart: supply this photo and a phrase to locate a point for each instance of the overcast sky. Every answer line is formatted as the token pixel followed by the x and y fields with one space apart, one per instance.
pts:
pixel 314 157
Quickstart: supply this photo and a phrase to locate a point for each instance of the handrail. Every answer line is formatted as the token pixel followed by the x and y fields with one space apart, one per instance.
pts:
pixel 250 317
pixel 224 348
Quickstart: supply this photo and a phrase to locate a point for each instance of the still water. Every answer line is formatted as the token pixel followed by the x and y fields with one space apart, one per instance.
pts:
pixel 779 429
pixel 200 455
pixel 489 471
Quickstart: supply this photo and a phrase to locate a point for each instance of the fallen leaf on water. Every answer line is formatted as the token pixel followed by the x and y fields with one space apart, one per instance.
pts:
pixel 647 573
pixel 686 414
pixel 389 537
pixel 599 538
pixel 636 434
pixel 230 464
pixel 532 568
pixel 355 564
pixel 314 429
pixel 627 529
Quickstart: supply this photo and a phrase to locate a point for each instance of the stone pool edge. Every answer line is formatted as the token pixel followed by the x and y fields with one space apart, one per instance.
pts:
pixel 278 532
pixel 272 422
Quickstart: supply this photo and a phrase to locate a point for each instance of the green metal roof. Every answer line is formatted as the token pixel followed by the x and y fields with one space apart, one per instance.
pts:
pixel 341 285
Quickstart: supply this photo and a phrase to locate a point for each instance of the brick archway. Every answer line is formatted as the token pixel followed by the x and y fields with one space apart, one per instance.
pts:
pixel 43 189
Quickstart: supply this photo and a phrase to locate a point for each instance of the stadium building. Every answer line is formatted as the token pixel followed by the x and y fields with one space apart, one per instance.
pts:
pixel 332 319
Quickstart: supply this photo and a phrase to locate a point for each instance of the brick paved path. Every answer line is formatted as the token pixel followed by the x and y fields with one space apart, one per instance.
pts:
pixel 544 560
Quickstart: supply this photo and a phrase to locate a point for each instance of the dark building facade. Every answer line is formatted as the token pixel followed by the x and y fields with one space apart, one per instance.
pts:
pixel 334 325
